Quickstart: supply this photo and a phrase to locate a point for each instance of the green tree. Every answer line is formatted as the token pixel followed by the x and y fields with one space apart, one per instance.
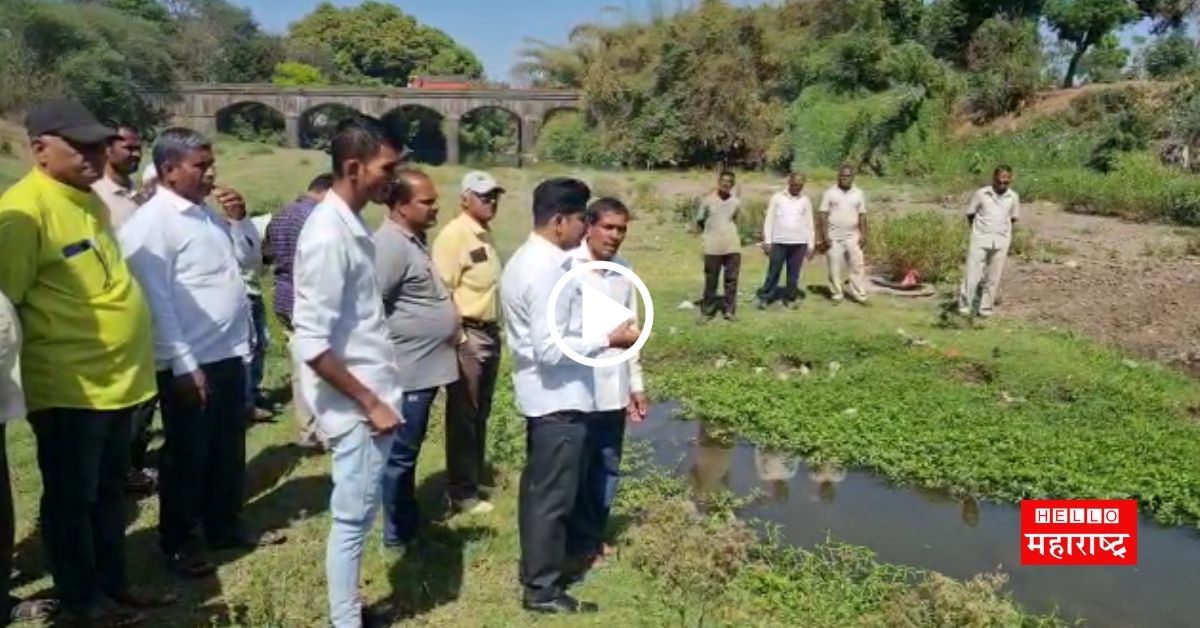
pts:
pixel 214 41
pixel 377 43
pixel 949 26
pixel 1005 67
pixel 296 74
pixel 1105 61
pixel 1171 55
pixel 1085 23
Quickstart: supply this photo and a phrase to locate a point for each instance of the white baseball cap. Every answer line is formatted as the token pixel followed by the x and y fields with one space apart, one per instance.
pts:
pixel 149 173
pixel 480 182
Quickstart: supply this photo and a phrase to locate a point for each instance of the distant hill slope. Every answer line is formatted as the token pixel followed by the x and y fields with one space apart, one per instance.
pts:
pixel 1049 103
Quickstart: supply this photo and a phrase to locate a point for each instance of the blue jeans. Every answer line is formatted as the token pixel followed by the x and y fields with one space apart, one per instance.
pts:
pixel 400 511
pixel 358 459
pixel 605 441
pixel 259 342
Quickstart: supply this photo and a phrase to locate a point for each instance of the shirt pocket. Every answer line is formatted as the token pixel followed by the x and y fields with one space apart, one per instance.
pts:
pixel 83 270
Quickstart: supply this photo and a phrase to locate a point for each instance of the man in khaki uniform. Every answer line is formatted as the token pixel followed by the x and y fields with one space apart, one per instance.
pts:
pixel 842 230
pixel 722 246
pixel 992 212
pixel 467 261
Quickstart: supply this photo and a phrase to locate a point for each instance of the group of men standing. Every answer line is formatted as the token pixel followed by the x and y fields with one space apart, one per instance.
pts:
pixel 793 234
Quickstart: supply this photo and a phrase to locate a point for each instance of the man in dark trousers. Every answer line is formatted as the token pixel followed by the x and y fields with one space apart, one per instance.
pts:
pixel 423 326
pixel 717 219
pixel 189 259
pixel 554 393
pixel 87 361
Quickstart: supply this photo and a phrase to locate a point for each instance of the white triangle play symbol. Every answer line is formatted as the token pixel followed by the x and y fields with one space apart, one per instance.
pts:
pixel 602 314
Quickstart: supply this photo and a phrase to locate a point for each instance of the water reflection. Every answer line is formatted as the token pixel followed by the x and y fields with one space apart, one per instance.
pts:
pixel 927 528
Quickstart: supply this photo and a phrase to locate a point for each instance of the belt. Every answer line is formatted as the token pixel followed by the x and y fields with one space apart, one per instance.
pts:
pixel 488 326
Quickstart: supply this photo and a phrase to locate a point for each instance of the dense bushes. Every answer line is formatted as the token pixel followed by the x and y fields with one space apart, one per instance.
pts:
pixel 567 138
pixel 929 242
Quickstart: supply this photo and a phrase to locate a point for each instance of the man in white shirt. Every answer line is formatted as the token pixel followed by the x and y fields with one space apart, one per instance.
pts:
pixel 991 214
pixel 787 233
pixel 842 234
pixel 620 390
pixel 12 408
pixel 188 259
pixel 351 382
pixel 123 156
pixel 554 393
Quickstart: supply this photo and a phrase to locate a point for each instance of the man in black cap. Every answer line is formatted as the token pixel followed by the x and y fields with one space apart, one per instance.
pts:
pixel 87 359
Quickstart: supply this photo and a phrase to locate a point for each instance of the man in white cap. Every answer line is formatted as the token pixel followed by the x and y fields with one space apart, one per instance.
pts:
pixel 466 258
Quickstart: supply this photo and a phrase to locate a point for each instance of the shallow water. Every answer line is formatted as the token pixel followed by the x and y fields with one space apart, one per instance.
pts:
pixel 959 538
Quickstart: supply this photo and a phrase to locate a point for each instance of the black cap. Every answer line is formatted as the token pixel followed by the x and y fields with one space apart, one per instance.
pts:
pixel 68 119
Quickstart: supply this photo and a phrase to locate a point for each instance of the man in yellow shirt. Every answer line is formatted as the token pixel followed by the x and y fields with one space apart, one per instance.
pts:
pixel 466 258
pixel 87 359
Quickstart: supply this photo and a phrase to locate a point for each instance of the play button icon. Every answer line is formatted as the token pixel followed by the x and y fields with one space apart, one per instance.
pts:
pixel 601 313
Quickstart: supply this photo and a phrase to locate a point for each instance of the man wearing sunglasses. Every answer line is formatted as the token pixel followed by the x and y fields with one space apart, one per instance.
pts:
pixel 466 259
pixel 87 359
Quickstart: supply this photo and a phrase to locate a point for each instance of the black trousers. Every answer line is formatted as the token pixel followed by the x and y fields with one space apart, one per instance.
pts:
pixel 143 417
pixel 713 264
pixel 791 255
pixel 555 466
pixel 202 468
pixel 7 529
pixel 468 405
pixel 84 459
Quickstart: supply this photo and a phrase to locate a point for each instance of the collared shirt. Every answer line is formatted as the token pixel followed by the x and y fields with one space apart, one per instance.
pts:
pixel 120 200
pixel 420 315
pixel 614 384
pixel 339 308
pixel 189 260
pixel 789 219
pixel 545 379
pixel 994 213
pixel 84 317
pixel 469 264
pixel 282 233
pixel 843 207
pixel 720 224
pixel 12 397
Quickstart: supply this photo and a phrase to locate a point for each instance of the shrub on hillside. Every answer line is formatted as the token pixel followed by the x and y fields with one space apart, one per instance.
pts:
pixel 1005 60
pixel 929 242
pixel 1170 55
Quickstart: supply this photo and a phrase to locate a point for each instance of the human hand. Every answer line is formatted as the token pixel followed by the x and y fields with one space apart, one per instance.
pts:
pixel 192 388
pixel 639 407
pixel 766 248
pixel 231 202
pixel 624 336
pixel 382 417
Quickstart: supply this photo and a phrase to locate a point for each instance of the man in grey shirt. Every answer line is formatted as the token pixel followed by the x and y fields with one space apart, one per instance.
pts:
pixel 424 326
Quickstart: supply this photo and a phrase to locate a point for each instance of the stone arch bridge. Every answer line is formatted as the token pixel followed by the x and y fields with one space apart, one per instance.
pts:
pixel 198 106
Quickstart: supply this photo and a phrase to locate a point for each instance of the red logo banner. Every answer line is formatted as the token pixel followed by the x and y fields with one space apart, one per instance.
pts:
pixel 1079 532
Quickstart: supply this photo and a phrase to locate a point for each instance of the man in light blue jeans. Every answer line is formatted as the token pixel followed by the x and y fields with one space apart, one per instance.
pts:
pixel 350 381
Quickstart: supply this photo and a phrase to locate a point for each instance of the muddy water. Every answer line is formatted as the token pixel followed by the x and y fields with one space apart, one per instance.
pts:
pixel 959 538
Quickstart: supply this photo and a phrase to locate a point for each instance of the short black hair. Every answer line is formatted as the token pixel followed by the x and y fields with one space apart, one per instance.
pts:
pixel 1002 168
pixel 560 196
pixel 121 126
pixel 321 183
pixel 606 205
pixel 360 137
pixel 402 186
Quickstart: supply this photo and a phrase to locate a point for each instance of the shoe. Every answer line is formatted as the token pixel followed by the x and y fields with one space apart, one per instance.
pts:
pixel 20 611
pixel 837 299
pixel 101 616
pixel 250 541
pixel 985 315
pixel 962 311
pixel 189 565
pixel 791 305
pixel 474 507
pixel 141 482
pixel 561 605
pixel 134 598
pixel 730 318
pixel 260 415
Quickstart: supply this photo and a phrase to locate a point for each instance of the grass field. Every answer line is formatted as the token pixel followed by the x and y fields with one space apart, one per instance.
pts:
pixel 1003 411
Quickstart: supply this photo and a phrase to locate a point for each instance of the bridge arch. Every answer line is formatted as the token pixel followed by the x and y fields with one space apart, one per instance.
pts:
pixel 318 123
pixel 491 134
pixel 251 120
pixel 424 131
pixel 553 112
